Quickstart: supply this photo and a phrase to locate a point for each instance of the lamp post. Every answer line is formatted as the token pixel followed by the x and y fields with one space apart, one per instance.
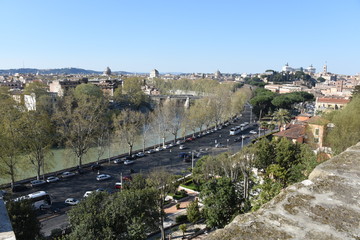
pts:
pixel 250 114
pixel 192 160
pixel 242 141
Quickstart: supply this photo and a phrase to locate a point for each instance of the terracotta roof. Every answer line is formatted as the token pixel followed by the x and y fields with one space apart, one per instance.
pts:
pixel 295 131
pixel 333 100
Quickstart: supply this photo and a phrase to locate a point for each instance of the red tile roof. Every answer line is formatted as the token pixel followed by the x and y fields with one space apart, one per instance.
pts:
pixel 294 132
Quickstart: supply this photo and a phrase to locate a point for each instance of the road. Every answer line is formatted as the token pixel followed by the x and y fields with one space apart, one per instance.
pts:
pixel 169 159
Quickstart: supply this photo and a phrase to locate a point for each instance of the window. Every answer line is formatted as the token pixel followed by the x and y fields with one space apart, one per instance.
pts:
pixel 316 140
pixel 316 132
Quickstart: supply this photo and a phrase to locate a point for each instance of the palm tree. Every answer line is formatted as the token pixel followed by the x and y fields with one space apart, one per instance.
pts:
pixel 281 116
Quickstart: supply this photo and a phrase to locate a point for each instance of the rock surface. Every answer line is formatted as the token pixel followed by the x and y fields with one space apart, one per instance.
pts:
pixel 326 206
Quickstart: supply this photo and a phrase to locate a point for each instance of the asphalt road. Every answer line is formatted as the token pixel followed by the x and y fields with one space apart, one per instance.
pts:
pixel 168 159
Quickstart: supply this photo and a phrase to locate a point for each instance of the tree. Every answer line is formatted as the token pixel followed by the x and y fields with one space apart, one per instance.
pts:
pixel 183 228
pixel 85 90
pixel 38 138
pixel 282 117
pixel 133 93
pixel 78 122
pixel 174 115
pixel 162 182
pixel 128 125
pixel 220 200
pixel 193 211
pixel 38 88
pixel 246 159
pixel 23 220
pixel 11 139
pixel 264 153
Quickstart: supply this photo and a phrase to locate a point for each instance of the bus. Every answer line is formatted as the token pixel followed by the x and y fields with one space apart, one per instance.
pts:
pixel 235 130
pixel 39 200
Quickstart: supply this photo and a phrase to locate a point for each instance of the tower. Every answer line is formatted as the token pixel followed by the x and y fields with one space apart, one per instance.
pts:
pixel 325 69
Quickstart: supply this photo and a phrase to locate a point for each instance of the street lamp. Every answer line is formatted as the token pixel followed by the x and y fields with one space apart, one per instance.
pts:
pixel 227 140
pixel 242 141
pixel 250 114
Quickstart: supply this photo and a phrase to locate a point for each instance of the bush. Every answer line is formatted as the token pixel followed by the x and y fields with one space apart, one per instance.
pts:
pixel 177 206
pixel 181 219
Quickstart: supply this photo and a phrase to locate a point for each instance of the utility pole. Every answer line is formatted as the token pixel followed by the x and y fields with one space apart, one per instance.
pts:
pixel 192 160
pixel 242 141
pixel 121 181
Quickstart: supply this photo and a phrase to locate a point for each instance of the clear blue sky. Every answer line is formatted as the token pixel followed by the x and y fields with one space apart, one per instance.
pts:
pixel 181 35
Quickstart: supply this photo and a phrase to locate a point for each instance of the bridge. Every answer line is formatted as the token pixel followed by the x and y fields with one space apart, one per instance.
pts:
pixel 180 99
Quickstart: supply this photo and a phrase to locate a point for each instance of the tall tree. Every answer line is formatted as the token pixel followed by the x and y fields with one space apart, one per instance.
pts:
pixel 38 138
pixel 282 117
pixel 174 115
pixel 163 183
pixel 23 220
pixel 128 125
pixel 11 140
pixel 78 121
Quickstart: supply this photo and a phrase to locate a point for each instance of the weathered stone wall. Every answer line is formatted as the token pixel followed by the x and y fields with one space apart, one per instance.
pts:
pixel 326 206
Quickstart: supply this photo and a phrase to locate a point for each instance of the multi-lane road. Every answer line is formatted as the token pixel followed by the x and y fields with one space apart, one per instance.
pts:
pixel 168 159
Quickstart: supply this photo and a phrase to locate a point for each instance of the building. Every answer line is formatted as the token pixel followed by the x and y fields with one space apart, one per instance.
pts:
pixel 288 69
pixel 328 104
pixel 154 74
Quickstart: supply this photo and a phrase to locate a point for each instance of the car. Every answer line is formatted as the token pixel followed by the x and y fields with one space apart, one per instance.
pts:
pixel 36 183
pixel 237 139
pixel 179 142
pixel 127 178
pixel 102 177
pixel 118 185
pixel 184 155
pixel 18 188
pixel 181 147
pixel 150 151
pixel 67 174
pixel 140 154
pixel 96 167
pixel 189 139
pixel 100 190
pixel 128 162
pixel 119 160
pixel 87 193
pixel 171 145
pixel 71 201
pixel 253 132
pixel 187 158
pixel 158 149
pixel 52 179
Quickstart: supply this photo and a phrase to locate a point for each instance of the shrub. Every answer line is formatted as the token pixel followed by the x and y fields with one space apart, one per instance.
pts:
pixel 181 219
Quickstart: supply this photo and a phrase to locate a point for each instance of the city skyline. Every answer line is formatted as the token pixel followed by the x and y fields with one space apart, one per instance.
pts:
pixel 137 36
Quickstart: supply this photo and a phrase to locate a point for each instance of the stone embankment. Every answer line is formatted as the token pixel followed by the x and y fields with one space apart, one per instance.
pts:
pixel 326 206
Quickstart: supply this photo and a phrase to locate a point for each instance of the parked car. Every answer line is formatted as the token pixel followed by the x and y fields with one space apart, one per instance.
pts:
pixel 187 158
pixel 100 190
pixel 71 201
pixel 189 139
pixel 118 185
pixel 67 174
pixel 52 179
pixel 127 178
pixel 87 193
pixel 237 139
pixel 119 160
pixel 102 177
pixel 181 147
pixel 96 167
pixel 183 155
pixel 128 162
pixel 140 154
pixel 18 188
pixel 253 132
pixel 170 145
pixel 150 151
pixel 36 183
pixel 159 149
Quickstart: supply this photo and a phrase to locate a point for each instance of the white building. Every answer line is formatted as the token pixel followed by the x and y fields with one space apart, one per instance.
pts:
pixel 154 73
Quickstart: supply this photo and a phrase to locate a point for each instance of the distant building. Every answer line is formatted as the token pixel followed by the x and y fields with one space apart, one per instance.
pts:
pixel 154 73
pixel 107 72
pixel 288 69
pixel 217 74
pixel 329 104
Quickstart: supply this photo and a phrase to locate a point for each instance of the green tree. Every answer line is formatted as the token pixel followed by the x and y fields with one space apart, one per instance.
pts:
pixel 282 117
pixel 268 190
pixel 193 211
pixel 38 88
pixel 128 126
pixel 183 228
pixel 162 182
pixel 220 200
pixel 11 139
pixel 78 121
pixel 264 153
pixel 23 220
pixel 87 91
pixel 346 130
pixel 38 138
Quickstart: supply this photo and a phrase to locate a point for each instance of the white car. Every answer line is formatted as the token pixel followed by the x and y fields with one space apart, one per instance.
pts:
pixel 128 162
pixel 253 132
pixel 103 177
pixel 150 151
pixel 52 179
pixel 181 147
pixel 118 160
pixel 67 174
pixel 71 201
pixel 140 154
pixel 35 183
pixel 87 193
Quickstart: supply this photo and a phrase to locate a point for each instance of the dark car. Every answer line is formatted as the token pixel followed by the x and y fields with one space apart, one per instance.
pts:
pixel 183 155
pixel 96 167
pixel 18 188
pixel 187 158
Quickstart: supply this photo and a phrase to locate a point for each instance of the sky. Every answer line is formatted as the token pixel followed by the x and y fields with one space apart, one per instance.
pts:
pixel 232 36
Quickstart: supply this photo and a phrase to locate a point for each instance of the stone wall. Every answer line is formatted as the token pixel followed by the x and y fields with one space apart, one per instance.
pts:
pixel 326 206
